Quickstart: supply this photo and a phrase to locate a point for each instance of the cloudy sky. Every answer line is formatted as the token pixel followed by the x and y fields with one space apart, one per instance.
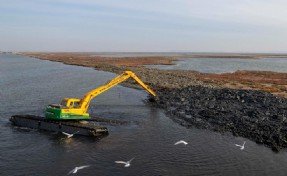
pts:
pixel 144 25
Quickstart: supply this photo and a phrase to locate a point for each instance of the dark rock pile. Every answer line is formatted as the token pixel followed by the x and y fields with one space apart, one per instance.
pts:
pixel 255 115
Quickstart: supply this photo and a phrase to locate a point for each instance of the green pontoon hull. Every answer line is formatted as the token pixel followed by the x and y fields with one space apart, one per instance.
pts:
pixel 58 114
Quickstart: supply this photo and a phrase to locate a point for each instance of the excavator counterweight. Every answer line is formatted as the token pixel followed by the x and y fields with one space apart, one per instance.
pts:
pixel 76 109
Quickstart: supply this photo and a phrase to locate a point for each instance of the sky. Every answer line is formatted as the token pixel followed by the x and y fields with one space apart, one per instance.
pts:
pixel 143 25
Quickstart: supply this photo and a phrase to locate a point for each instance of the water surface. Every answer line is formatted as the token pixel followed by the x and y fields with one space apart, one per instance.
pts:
pixel 224 65
pixel 27 85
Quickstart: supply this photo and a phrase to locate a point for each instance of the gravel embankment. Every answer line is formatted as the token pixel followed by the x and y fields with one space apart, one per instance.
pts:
pixel 255 115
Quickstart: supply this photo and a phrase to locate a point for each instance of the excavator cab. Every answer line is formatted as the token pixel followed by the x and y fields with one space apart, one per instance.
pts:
pixel 70 102
pixel 68 109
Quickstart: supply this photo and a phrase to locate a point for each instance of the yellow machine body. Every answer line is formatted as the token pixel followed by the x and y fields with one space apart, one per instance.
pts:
pixel 76 109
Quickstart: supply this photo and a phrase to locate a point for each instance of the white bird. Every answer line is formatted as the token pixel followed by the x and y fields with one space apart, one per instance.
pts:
pixel 75 170
pixel 69 135
pixel 241 146
pixel 181 142
pixel 127 164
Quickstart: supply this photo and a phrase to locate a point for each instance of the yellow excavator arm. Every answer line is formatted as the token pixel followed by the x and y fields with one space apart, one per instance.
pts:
pixel 73 108
pixel 85 101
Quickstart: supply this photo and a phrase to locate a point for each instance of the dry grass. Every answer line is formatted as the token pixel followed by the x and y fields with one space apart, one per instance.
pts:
pixel 273 82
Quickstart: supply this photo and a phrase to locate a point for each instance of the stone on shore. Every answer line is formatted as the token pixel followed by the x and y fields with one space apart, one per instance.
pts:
pixel 255 115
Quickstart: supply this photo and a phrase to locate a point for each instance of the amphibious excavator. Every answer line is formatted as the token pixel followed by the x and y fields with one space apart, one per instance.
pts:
pixel 74 108
pixel 66 115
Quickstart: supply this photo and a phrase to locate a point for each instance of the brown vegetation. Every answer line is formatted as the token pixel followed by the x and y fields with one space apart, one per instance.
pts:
pixel 91 60
pixel 275 83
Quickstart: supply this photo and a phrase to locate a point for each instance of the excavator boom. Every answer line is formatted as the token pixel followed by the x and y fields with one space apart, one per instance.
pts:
pixel 85 101
pixel 72 108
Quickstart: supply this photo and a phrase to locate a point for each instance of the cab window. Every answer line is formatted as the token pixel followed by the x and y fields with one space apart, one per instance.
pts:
pixel 64 103
pixel 71 105
pixel 76 104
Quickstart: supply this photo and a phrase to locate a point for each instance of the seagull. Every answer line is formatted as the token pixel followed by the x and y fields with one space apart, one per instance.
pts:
pixel 181 142
pixel 75 170
pixel 241 146
pixel 69 135
pixel 127 164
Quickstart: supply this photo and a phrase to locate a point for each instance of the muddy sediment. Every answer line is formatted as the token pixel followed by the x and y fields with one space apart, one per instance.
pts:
pixel 240 103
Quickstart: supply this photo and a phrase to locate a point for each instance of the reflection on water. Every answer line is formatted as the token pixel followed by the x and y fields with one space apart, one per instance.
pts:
pixel 28 85
pixel 223 65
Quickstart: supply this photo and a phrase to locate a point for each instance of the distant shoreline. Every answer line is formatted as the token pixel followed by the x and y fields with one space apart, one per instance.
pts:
pixel 272 82
pixel 167 54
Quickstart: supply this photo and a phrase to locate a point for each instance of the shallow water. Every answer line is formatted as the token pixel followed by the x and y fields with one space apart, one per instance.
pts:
pixel 224 65
pixel 27 85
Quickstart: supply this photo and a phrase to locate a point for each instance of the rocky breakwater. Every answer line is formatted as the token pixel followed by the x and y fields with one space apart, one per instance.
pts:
pixel 255 115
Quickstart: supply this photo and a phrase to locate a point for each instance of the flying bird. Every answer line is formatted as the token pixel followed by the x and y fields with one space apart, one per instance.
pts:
pixel 181 142
pixel 127 164
pixel 241 146
pixel 69 135
pixel 75 170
